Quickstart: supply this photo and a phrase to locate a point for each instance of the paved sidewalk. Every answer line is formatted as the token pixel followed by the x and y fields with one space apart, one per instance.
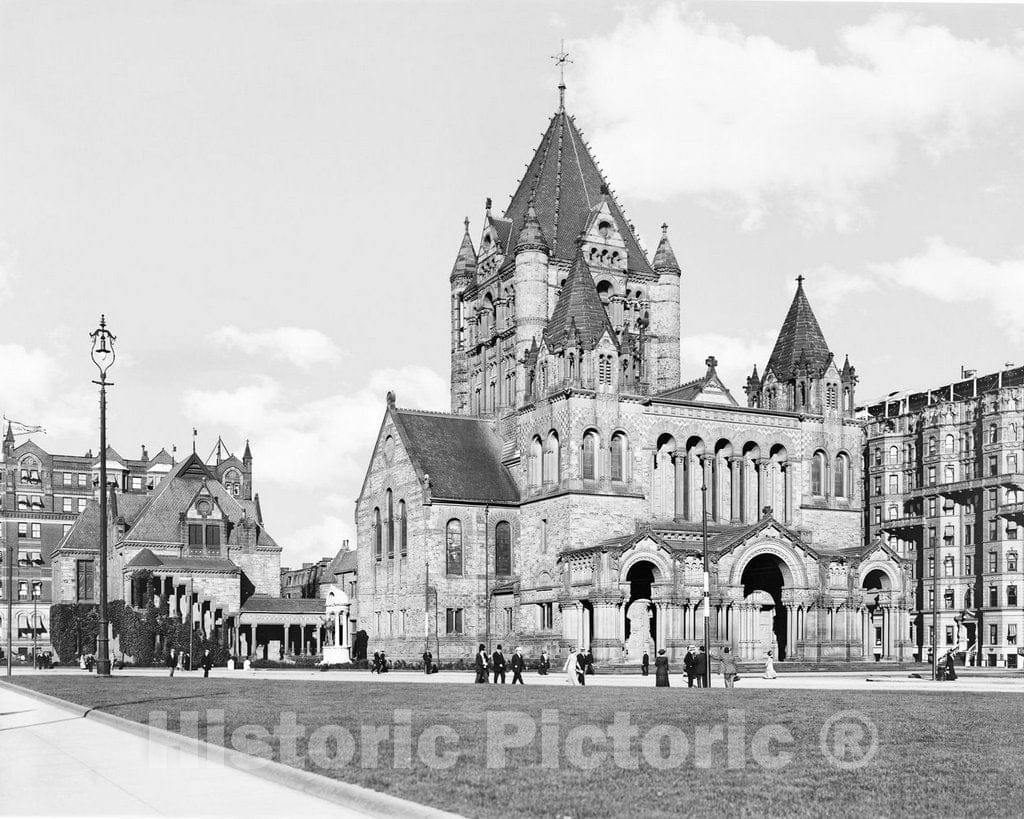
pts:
pixel 55 763
pixel 883 679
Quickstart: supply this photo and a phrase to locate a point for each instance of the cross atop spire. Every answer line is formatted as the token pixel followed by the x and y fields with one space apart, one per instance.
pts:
pixel 800 280
pixel 561 58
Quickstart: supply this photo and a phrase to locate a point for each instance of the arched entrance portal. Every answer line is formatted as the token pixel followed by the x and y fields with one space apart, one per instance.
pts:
pixel 763 581
pixel 641 626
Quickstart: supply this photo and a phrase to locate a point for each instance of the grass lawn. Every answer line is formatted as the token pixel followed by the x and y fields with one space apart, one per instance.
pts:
pixel 937 753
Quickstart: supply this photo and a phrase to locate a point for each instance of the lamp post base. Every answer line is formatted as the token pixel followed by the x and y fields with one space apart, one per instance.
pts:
pixel 103 668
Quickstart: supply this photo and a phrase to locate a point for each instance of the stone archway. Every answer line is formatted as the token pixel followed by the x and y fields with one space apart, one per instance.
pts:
pixel 640 616
pixel 766 627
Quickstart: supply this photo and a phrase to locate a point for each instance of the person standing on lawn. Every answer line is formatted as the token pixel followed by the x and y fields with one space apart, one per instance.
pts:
pixel 428 660
pixel 645 664
pixel 172 661
pixel 517 664
pixel 950 666
pixel 571 668
pixel 498 667
pixel 700 668
pixel 728 667
pixel 689 666
pixel 481 664
pixel 545 664
pixel 661 670
pixel 207 662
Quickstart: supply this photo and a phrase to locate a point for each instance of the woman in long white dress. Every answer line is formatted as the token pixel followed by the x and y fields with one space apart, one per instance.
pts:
pixel 769 667
pixel 571 664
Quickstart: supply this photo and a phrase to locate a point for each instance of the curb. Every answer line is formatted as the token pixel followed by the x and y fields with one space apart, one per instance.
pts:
pixel 351 796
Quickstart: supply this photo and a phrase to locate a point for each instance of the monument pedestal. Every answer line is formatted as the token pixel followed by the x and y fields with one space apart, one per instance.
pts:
pixel 336 655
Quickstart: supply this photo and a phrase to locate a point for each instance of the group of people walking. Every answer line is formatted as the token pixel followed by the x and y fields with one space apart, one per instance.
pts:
pixel 496 664
pixel 577 666
pixel 175 660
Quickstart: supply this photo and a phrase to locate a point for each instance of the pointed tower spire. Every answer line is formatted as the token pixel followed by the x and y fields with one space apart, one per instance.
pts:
pixel 665 257
pixel 800 340
pixel 247 455
pixel 531 237
pixel 465 259
pixel 578 310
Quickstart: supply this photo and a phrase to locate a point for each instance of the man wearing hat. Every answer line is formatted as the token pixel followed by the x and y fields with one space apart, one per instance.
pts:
pixel 690 665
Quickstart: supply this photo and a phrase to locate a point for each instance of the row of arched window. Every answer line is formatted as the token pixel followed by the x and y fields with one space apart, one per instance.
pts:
pixel 385 531
pixel 455 553
pixel 545 465
pixel 841 476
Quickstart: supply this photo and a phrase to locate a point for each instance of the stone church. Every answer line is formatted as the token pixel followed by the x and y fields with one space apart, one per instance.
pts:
pixel 563 493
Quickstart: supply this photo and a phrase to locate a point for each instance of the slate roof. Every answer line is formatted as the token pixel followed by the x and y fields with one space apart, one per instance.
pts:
pixel 664 256
pixel 578 306
pixel 564 183
pixel 800 336
pixel 344 561
pixel 465 260
pixel 461 455
pixel 283 605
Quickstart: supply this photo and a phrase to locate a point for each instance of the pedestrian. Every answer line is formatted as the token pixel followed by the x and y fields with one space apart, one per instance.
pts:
pixel 481 664
pixel 383 664
pixel 172 661
pixel 689 666
pixel 428 661
pixel 571 667
pixel 661 670
pixel 517 664
pixel 700 668
pixel 498 667
pixel 581 667
pixel 645 664
pixel 375 668
pixel 769 667
pixel 545 664
pixel 728 667
pixel 207 662
pixel 589 662
pixel 950 665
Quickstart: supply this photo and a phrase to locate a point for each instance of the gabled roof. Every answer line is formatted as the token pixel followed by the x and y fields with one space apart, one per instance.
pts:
pixel 461 455
pixel 346 560
pixel 283 605
pixel 729 540
pixel 563 183
pixel 162 457
pixel 799 338
pixel 192 467
pixel 580 308
pixel 708 389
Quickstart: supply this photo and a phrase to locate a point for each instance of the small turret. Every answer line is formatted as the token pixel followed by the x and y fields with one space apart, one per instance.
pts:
pixel 753 389
pixel 9 441
pixel 531 290
pixel 665 318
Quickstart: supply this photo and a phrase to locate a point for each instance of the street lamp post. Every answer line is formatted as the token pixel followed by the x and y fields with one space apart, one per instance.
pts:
pixel 36 591
pixel 935 611
pixel 103 358
pixel 707 576
pixel 487 580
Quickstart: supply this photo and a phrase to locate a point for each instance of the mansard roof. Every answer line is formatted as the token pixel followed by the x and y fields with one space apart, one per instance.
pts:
pixel 461 456
pixel 799 338
pixel 579 309
pixel 563 183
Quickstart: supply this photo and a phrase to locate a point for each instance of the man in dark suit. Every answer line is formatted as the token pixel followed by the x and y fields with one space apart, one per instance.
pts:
pixel 700 668
pixel 481 664
pixel 689 666
pixel 517 664
pixel 428 661
pixel 498 664
pixel 645 664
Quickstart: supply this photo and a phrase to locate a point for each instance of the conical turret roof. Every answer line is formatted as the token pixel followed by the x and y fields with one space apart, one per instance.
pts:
pixel 563 183
pixel 579 309
pixel 531 237
pixel 800 340
pixel 465 260
pixel 665 257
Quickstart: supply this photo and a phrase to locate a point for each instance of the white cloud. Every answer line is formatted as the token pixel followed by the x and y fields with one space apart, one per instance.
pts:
pixel 323 442
pixel 950 274
pixel 828 288
pixel 300 346
pixel 736 358
pixel 321 539
pixel 679 104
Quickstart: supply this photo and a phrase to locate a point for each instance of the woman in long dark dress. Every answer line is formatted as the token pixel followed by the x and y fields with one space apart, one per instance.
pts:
pixel 661 670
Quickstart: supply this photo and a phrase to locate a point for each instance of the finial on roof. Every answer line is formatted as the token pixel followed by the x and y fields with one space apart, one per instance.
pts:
pixel 664 229
pixel 561 58
pixel 604 189
pixel 800 282
pixel 487 206
pixel 195 434
pixel 466 223
pixel 391 398
pixel 711 363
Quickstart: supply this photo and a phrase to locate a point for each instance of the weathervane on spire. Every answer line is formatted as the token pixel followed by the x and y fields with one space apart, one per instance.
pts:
pixel 561 58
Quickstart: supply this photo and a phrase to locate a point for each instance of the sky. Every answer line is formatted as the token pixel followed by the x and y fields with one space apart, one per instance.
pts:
pixel 266 198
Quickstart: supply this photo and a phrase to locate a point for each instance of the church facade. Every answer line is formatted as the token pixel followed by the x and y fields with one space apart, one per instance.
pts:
pixel 561 502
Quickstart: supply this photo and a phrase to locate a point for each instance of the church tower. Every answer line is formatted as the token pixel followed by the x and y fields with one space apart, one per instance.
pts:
pixel 801 374
pixel 563 245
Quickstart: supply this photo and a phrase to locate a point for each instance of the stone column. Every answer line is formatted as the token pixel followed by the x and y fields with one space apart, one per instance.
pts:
pixel 762 486
pixel 735 495
pixel 679 497
pixel 787 491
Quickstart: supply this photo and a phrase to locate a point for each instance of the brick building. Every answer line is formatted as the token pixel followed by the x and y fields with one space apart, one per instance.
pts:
pixel 43 495
pixel 305 582
pixel 199 532
pixel 563 491
pixel 944 471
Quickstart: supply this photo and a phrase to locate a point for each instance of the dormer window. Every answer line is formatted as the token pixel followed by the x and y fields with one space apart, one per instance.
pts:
pixel 605 229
